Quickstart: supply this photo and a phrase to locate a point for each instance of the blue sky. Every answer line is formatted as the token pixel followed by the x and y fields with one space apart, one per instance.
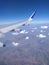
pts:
pixel 17 10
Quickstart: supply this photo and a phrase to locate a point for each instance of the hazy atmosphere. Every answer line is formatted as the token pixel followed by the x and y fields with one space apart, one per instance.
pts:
pixel 22 40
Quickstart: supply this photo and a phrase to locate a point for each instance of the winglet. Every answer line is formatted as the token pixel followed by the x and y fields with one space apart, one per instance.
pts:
pixel 32 16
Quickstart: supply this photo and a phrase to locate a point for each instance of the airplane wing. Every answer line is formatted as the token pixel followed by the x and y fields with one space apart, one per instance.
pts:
pixel 11 27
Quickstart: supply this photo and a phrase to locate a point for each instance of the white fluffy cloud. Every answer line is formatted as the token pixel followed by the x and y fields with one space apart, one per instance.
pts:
pixel 1 44
pixel 23 32
pixel 15 43
pixel 41 36
pixel 44 27
pixel 26 37
pixel 15 33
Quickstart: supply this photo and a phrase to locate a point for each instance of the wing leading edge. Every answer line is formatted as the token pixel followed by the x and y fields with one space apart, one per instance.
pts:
pixel 9 28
